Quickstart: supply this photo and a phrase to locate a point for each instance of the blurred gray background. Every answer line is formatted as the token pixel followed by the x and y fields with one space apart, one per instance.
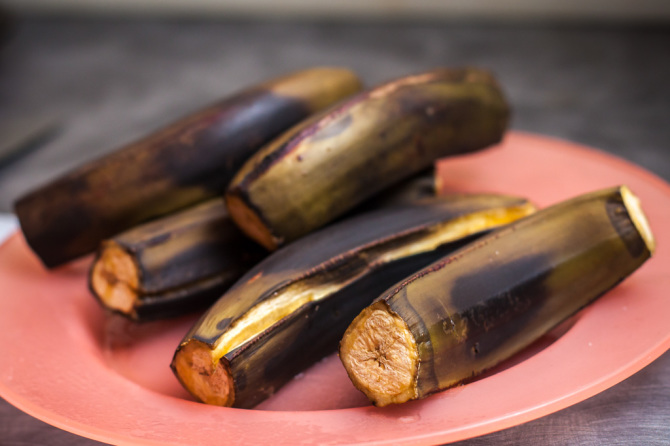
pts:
pixel 104 78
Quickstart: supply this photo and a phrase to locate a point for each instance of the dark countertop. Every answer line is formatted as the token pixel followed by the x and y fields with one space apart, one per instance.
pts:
pixel 109 82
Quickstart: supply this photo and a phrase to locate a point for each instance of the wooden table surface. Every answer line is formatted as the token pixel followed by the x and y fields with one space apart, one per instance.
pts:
pixel 106 83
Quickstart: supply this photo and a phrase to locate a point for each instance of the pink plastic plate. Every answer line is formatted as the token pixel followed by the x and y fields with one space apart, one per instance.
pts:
pixel 67 363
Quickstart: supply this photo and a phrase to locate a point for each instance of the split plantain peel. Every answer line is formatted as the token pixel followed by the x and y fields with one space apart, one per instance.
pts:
pixel 478 306
pixel 185 261
pixel 291 309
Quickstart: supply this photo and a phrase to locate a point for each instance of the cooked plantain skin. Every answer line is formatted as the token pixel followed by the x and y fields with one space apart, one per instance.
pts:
pixel 185 261
pixel 174 265
pixel 180 165
pixel 291 309
pixel 478 306
pixel 333 161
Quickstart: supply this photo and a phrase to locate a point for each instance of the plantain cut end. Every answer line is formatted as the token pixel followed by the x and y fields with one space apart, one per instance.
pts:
pixel 380 355
pixel 248 220
pixel 632 203
pixel 205 378
pixel 115 278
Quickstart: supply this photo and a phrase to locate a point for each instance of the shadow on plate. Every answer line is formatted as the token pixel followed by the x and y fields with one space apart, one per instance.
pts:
pixel 142 354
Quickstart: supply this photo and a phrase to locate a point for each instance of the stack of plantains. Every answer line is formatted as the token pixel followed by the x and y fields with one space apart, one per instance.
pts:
pixel 301 213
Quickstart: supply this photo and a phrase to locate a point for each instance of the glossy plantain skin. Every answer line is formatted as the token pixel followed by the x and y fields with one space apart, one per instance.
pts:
pixel 291 309
pixel 183 262
pixel 478 306
pixel 333 161
pixel 174 265
pixel 180 165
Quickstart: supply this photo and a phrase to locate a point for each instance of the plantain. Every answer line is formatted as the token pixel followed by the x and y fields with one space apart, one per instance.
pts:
pixel 183 262
pixel 474 308
pixel 174 265
pixel 292 308
pixel 180 165
pixel 331 162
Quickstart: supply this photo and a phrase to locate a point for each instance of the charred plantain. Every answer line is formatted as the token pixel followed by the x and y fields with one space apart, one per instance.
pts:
pixel 180 165
pixel 476 307
pixel 328 164
pixel 185 261
pixel 292 308
pixel 174 265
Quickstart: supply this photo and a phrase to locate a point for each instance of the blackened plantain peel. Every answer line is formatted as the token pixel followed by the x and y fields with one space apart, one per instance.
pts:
pixel 291 309
pixel 330 163
pixel 480 305
pixel 178 166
